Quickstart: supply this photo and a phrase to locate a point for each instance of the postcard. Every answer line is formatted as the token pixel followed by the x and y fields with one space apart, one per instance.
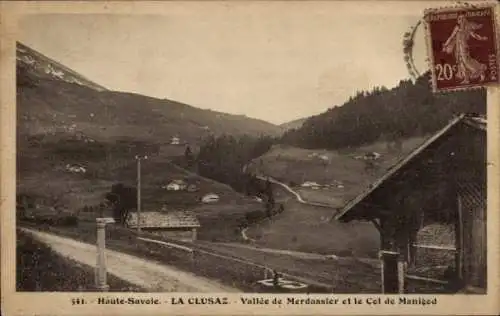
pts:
pixel 249 157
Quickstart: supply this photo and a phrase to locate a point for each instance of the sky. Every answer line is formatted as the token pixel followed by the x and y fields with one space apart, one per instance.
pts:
pixel 273 61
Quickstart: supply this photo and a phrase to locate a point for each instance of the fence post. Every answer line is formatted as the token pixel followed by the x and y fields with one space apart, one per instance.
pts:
pixel 391 270
pixel 401 274
pixel 193 262
pixel 101 273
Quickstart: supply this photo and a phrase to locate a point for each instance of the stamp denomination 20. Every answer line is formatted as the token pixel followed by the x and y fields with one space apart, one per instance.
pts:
pixel 462 46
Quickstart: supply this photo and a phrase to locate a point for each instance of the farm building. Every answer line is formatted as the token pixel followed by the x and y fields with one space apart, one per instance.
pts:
pixel 430 210
pixel 172 224
pixel 310 184
pixel 76 168
pixel 192 188
pixel 210 198
pixel 175 140
pixel 177 185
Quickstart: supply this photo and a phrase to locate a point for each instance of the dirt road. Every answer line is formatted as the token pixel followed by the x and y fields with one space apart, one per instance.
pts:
pixel 144 273
pixel 294 193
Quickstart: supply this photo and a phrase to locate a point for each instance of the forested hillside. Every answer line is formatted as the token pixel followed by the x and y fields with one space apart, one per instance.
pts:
pixel 410 109
pixel 223 158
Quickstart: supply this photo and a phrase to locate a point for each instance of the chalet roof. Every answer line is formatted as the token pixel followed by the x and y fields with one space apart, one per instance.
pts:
pixel 211 195
pixel 478 122
pixel 169 219
pixel 178 181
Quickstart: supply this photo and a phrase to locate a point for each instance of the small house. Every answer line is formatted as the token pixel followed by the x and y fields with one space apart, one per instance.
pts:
pixel 310 184
pixel 176 185
pixel 171 224
pixel 75 168
pixel 430 211
pixel 175 140
pixel 192 188
pixel 372 156
pixel 323 157
pixel 258 199
pixel 210 198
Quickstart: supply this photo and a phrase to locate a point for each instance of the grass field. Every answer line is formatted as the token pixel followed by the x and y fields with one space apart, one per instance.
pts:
pixel 42 174
pixel 309 229
pixel 345 175
pixel 38 268
pixel 240 269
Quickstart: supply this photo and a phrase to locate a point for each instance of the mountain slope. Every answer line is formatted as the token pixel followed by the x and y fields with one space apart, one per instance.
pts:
pixel 44 66
pixel 293 124
pixel 53 98
pixel 62 124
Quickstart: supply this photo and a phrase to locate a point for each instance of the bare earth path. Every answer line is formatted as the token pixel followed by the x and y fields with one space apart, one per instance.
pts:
pixel 144 273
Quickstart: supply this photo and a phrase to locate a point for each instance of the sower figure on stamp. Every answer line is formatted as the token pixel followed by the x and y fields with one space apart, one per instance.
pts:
pixel 468 67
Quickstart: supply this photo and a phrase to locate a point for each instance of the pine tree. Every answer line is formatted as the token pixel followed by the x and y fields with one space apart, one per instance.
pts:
pixel 188 155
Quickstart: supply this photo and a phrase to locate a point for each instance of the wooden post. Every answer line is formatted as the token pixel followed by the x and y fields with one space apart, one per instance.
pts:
pixel 193 259
pixel 459 241
pixel 401 274
pixel 101 273
pixel 382 272
pixel 390 271
pixel 138 195
pixel 194 234
pixel 101 282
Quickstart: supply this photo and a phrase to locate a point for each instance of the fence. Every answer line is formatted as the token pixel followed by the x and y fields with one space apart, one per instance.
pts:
pixel 234 271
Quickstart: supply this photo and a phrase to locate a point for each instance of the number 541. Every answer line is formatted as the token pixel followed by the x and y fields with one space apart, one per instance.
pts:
pixel 445 71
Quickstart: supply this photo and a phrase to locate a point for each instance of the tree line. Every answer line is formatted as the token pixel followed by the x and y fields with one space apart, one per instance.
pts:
pixel 410 109
pixel 223 158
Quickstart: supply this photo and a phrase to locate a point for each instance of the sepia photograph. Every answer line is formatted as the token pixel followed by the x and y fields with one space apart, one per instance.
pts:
pixel 255 149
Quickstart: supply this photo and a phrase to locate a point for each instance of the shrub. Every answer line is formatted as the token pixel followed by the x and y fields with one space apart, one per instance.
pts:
pixel 254 216
pixel 53 220
pixel 67 221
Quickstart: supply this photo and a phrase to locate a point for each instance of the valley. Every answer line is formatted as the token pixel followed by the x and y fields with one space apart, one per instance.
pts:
pixel 78 146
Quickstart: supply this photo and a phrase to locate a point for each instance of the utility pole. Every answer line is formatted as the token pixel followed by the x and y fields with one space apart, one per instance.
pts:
pixel 138 158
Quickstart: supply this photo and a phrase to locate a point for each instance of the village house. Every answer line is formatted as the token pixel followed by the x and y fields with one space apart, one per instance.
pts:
pixel 210 198
pixel 310 184
pixel 176 185
pixel 75 168
pixel 171 224
pixel 192 188
pixel 430 210
pixel 175 140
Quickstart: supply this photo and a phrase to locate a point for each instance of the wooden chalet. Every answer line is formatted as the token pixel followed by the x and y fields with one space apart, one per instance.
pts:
pixel 173 224
pixel 430 210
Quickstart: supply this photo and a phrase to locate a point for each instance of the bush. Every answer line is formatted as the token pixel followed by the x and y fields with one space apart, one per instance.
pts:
pixel 254 216
pixel 53 220
pixel 67 221
pixel 39 268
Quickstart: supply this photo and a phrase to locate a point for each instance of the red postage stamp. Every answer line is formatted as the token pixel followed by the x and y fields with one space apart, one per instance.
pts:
pixel 463 47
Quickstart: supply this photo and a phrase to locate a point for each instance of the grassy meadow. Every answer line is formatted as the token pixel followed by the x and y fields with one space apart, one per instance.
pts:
pixel 42 174
pixel 343 172
pixel 39 268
